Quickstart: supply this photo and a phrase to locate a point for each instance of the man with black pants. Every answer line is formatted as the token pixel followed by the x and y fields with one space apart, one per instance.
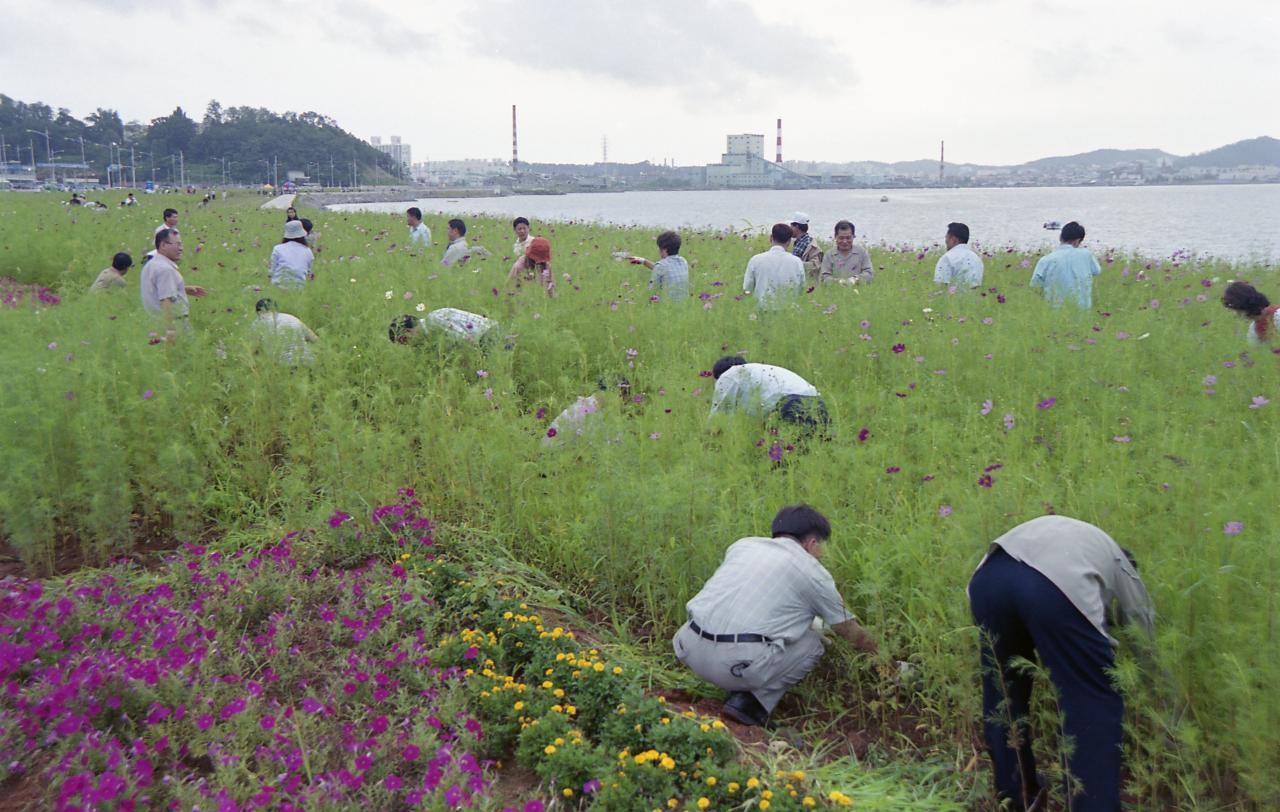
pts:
pixel 750 628
pixel 1046 587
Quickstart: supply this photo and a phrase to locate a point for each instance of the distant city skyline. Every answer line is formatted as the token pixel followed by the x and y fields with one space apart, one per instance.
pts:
pixel 1003 82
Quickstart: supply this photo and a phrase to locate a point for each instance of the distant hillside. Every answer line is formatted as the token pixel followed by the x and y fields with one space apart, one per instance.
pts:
pixel 1100 157
pixel 1262 151
pixel 246 143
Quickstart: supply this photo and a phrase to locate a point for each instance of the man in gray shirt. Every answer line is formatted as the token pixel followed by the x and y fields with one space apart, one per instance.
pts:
pixel 848 263
pixel 671 271
pixel 750 629
pixel 1047 587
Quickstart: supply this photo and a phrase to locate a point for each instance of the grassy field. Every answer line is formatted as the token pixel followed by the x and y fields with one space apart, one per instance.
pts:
pixel 955 417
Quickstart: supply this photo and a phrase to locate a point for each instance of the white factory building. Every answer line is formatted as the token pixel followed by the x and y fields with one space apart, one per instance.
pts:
pixel 743 163
pixel 401 153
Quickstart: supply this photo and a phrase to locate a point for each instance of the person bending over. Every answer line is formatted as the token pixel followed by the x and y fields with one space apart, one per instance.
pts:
pixel 1248 301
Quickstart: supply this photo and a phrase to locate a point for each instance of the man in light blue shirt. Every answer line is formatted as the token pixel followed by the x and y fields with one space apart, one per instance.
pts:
pixel 671 272
pixel 1066 275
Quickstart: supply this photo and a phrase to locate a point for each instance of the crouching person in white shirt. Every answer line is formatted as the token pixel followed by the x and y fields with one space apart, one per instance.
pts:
pixel 761 389
pixel 457 326
pixel 750 629
pixel 283 335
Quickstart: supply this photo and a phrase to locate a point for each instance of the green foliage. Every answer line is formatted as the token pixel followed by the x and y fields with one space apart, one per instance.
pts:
pixel 633 518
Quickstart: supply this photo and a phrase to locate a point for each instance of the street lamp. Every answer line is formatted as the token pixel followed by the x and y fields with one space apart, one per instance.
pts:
pixel 48 150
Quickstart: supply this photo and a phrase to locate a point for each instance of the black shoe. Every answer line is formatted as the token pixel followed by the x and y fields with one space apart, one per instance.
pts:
pixel 743 708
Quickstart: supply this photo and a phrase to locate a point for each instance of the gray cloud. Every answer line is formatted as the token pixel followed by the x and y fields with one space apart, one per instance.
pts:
pixel 706 49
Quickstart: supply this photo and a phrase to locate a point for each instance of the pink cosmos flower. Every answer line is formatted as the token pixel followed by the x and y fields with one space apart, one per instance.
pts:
pixel 1232 528
pixel 148 394
pixel 892 469
pixel 899 347
pixel 1258 402
pixel 1047 403
pixel 1121 438
pixel 864 434
pixel 944 510
pixel 1008 422
pixel 987 406
pixel 551 432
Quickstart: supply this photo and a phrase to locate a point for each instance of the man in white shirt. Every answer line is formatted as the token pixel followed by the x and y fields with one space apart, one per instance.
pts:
pixel 170 221
pixel 458 251
pixel 751 627
pixel 164 293
pixel 523 236
pixel 457 325
pixel 762 389
pixel 419 234
pixel 775 277
pixel 282 334
pixel 1048 587
pixel 960 266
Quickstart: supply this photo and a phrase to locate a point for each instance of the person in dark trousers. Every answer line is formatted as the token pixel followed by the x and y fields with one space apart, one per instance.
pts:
pixel 1053 587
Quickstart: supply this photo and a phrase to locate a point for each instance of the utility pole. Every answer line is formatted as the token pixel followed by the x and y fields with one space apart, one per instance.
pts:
pixel 942 161
pixel 133 169
pixel 331 170
pixel 355 176
pixel 173 168
pixel 604 149
pixel 182 166
pixel 82 160
pixel 275 171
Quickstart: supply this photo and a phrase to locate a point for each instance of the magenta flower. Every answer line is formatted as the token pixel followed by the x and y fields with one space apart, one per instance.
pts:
pixel 488 393
pixel 775 452
pixel 541 413
pixel 1154 304
pixel 1210 380
pixel 232 708
pixel 148 394
pixel 892 469
pixel 988 321
pixel 53 345
pixel 944 510
pixel 411 753
pixel 899 347
pixel 1208 283
pixel 339 518
pixel 482 373
pixel 1121 438
pixel 866 325
pixel 1047 403
pixel 312 705
pixel 1232 528
pixel 1258 402
pixel 551 432
pixel 392 782
pixel 987 406
pixel 657 435
pixel 986 481
pixel 204 722
pixel 864 434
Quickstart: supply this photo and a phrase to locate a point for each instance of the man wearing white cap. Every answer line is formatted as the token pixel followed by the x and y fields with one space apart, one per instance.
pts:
pixel 805 247
pixel 291 259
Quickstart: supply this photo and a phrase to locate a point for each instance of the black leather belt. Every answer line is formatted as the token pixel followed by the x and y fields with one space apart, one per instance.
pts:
pixel 728 638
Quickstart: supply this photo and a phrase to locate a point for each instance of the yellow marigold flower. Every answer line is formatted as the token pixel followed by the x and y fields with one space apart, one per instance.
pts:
pixel 507 615
pixel 807 801
pixel 617 669
pixel 570 709
pixel 767 794
pixel 734 786
pixel 518 706
pixel 667 763
pixel 705 728
pixel 752 783
pixel 798 775
pixel 559 693
pixel 549 672
pixel 549 749
pixel 568 793
pixel 546 683
pixel 598 667
pixel 666 720
pixel 404 557
pixel 672 803
pixel 764 805
pixel 703 802
pixel 559 741
pixel 711 780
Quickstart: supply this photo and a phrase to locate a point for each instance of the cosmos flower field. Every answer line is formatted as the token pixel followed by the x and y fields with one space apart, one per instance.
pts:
pixel 236 584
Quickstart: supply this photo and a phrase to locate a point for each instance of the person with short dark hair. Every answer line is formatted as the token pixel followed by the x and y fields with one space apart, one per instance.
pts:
pixel 1055 587
pixel 283 335
pixel 457 325
pixel 291 260
pixel 763 389
pixel 170 221
pixel 535 264
pixel 458 251
pixel 113 277
pixel 1066 274
pixel 805 247
pixel 757 642
pixel 848 264
pixel 671 271
pixel 959 267
pixel 521 227
pixel 1248 301
pixel 290 214
pixel 419 234
pixel 163 291
pixel 776 276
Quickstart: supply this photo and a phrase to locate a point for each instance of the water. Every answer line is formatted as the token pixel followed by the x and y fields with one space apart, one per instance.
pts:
pixel 1232 222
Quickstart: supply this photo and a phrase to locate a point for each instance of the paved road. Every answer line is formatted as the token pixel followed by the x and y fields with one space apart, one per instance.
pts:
pixel 281 202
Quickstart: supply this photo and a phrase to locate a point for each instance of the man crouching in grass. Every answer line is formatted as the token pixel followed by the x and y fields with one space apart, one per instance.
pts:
pixel 750 629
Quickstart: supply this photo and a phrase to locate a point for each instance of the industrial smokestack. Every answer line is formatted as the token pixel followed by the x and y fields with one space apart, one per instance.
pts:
pixel 515 152
pixel 942 161
pixel 779 140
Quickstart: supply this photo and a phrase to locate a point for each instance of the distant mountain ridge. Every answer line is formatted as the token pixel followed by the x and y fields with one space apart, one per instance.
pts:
pixel 1261 151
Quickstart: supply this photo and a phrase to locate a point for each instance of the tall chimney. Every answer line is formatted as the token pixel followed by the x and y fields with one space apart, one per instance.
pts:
pixel 779 140
pixel 515 153
pixel 942 160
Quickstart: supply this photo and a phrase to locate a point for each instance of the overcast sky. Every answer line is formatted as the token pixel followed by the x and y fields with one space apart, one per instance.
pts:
pixel 1003 81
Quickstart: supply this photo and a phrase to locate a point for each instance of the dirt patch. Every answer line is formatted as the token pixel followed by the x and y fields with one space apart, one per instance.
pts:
pixel 152 541
pixel 24 792
pixel 512 785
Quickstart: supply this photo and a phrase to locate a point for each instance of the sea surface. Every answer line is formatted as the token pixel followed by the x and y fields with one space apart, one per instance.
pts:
pixel 1235 222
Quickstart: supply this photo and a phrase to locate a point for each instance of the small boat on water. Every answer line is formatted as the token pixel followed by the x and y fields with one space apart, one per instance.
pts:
pixel 884 198
pixel 1053 225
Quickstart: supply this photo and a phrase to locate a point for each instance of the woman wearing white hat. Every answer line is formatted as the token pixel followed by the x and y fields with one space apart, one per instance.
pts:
pixel 291 259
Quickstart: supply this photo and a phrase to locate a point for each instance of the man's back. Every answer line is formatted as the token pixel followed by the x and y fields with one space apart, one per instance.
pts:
pixel 1066 275
pixel 756 388
pixel 960 266
pixel 773 277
